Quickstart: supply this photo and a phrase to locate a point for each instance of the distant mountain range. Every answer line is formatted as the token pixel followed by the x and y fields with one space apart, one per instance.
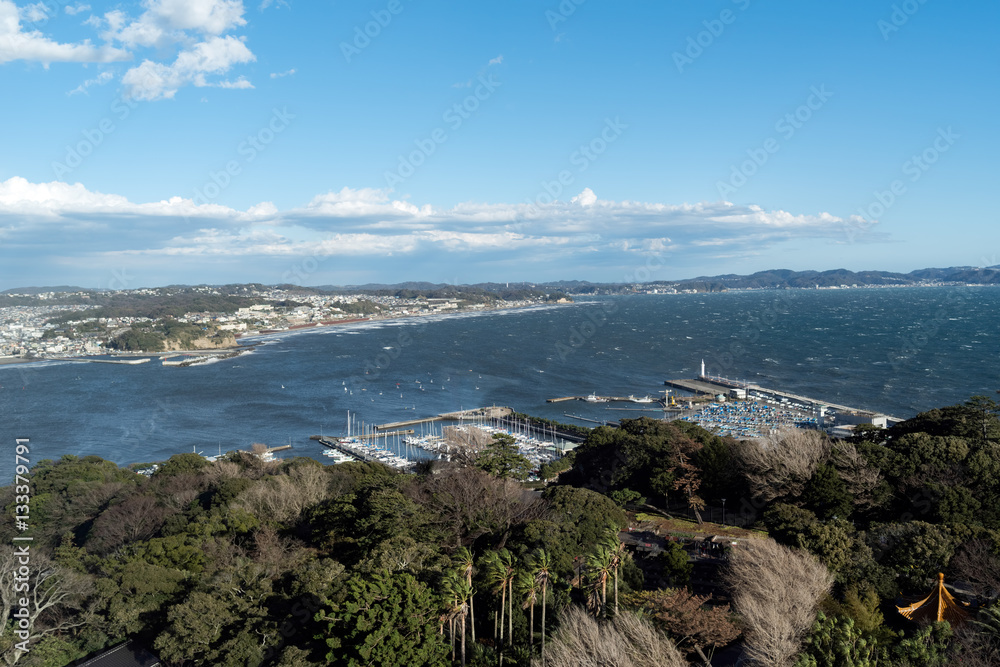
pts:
pixel 784 278
pixel 773 279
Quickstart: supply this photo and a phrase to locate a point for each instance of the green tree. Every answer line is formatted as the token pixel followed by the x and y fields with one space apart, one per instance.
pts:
pixel 677 565
pixel 182 464
pixel 827 495
pixel 617 552
pixel 600 563
pixel 453 588
pixel 927 648
pixel 500 572
pixel 385 619
pixel 503 459
pixel 466 564
pixel 542 565
pixel 836 642
pixel 527 586
pixel 577 519
pixel 984 410
pixel 624 497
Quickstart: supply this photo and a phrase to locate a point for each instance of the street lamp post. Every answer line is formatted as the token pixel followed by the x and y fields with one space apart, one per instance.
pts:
pixel 723 511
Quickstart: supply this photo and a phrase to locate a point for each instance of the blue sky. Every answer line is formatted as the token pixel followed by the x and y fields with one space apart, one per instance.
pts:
pixel 182 141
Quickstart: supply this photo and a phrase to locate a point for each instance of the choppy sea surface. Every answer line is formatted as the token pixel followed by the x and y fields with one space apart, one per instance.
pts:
pixel 898 351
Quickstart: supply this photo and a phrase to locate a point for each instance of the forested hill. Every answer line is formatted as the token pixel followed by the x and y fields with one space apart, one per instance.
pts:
pixel 784 278
pixel 243 562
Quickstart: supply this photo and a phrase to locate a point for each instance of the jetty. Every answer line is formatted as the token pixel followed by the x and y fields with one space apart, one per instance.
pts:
pixel 88 360
pixel 492 412
pixel 593 398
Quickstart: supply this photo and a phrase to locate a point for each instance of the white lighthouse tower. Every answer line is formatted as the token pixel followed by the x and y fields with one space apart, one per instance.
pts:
pixel 702 368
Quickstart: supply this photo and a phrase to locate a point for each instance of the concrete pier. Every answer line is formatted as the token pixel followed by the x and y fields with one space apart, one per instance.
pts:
pixel 492 412
pixel 126 362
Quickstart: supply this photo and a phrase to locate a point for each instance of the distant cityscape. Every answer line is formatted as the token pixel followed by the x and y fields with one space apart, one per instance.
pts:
pixel 44 330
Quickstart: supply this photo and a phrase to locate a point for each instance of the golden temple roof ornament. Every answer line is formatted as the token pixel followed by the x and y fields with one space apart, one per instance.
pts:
pixel 940 605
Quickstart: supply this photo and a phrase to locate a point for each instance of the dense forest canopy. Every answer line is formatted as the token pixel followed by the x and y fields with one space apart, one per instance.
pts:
pixel 245 562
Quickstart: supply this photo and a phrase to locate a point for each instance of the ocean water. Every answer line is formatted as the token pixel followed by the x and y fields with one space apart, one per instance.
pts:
pixel 899 351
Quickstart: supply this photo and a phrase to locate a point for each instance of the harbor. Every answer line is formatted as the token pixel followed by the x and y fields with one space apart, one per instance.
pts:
pixel 747 410
pixel 468 434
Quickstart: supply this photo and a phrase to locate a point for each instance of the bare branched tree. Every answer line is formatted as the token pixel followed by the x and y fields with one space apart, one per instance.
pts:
pixel 137 518
pixel 284 497
pixel 222 470
pixel 470 502
pixel 54 595
pixel 626 641
pixel 177 491
pixel 466 441
pixel 780 464
pixel 860 477
pixel 775 591
pixel 978 564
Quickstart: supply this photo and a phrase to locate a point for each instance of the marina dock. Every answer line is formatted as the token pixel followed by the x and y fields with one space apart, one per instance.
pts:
pixel 356 449
pixel 333 443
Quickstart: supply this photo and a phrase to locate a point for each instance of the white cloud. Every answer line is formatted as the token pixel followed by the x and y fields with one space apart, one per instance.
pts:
pixel 585 198
pixel 196 27
pixel 497 60
pixel 279 75
pixel 34 12
pixel 99 80
pixel 368 222
pixel 212 17
pixel 19 44
pixel 57 200
pixel 156 81
pixel 239 84
pixel 73 10
pixel 166 21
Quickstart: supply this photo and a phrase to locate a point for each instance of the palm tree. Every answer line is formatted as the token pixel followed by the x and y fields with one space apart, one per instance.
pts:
pixel 600 564
pixel 466 566
pixel 617 554
pixel 496 574
pixel 462 591
pixel 451 585
pixel 542 566
pixel 508 560
pixel 527 586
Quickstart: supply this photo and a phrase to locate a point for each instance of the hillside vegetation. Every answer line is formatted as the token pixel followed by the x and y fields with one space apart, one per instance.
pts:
pixel 242 562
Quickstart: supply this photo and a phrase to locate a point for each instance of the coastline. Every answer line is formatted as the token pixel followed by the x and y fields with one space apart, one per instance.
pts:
pixel 258 338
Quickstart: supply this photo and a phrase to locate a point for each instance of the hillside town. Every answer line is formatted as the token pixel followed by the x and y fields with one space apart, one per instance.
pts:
pixel 60 329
